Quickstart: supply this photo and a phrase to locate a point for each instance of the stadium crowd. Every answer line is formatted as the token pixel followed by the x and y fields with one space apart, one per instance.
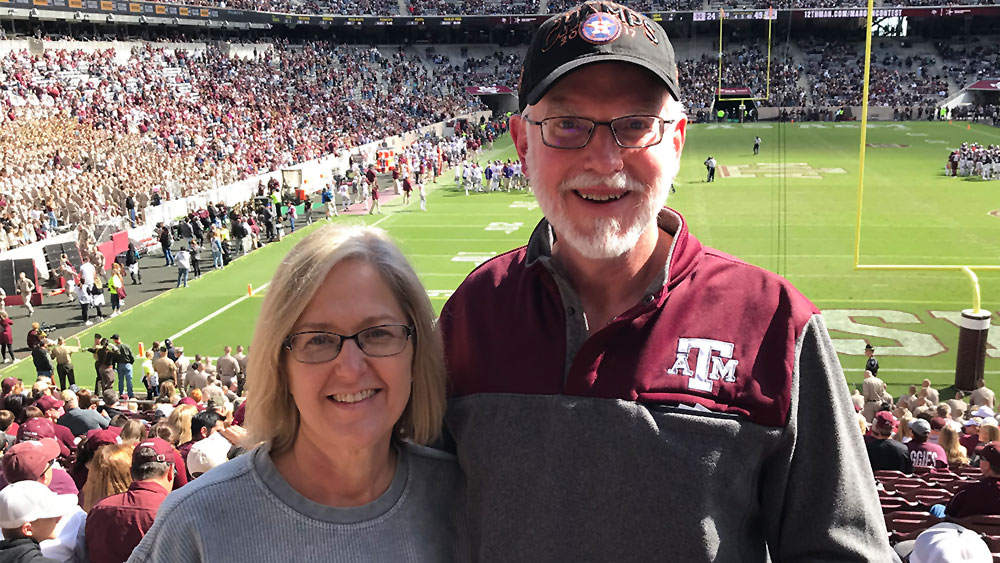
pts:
pixel 86 443
pixel 968 63
pixel 67 440
pixel 91 139
pixel 935 460
pixel 836 71
pixel 745 66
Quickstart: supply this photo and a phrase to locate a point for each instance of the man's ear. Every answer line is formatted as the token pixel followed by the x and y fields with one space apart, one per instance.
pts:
pixel 679 136
pixel 519 134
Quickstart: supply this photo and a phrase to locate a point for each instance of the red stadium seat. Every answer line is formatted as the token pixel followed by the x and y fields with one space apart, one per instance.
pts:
pixel 898 504
pixel 940 477
pixel 973 472
pixel 954 486
pixel 890 474
pixel 905 525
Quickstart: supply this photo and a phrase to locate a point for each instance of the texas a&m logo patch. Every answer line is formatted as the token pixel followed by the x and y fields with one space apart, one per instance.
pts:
pixel 714 362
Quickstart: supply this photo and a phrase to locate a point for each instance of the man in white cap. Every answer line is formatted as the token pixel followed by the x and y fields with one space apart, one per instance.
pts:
pixel 950 543
pixel 29 513
pixel 207 454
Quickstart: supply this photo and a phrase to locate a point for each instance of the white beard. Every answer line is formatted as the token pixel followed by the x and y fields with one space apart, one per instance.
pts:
pixel 605 237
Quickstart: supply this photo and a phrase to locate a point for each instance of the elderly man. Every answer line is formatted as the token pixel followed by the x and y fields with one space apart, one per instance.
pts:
pixel 619 391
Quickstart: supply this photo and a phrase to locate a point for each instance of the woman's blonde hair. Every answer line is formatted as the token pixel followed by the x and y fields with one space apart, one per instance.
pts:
pixel 992 433
pixel 903 430
pixel 948 440
pixel 271 414
pixel 180 419
pixel 109 473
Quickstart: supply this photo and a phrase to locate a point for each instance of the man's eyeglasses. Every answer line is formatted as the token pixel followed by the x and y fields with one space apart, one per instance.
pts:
pixel 317 346
pixel 630 131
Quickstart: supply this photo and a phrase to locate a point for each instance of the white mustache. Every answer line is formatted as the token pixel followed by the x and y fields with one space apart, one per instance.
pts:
pixel 617 181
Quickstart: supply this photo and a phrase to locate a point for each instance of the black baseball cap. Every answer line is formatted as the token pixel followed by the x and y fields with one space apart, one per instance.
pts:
pixel 590 33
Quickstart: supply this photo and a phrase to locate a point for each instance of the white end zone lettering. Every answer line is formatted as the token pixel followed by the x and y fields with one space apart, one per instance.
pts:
pixel 910 343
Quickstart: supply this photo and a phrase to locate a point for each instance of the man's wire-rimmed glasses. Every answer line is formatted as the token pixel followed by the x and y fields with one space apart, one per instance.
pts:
pixel 630 131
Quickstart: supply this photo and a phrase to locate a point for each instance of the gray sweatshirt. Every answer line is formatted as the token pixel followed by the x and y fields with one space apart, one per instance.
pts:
pixel 244 510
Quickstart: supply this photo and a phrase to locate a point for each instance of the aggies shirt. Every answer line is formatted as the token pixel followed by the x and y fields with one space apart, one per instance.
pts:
pixel 926 454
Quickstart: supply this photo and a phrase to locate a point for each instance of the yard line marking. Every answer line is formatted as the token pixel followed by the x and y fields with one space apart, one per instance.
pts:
pixel 216 313
pixel 236 302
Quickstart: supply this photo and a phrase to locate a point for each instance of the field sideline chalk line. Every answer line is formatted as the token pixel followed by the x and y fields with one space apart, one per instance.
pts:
pixel 235 302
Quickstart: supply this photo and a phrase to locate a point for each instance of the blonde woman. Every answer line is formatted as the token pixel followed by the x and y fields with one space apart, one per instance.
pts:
pixel 108 474
pixel 180 419
pixel 345 379
pixel 904 434
pixel 948 440
pixel 116 287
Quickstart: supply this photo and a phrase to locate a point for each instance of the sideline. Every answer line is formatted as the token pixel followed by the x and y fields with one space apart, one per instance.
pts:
pixel 236 302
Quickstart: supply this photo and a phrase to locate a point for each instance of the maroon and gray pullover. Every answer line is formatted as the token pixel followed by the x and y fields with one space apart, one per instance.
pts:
pixel 710 422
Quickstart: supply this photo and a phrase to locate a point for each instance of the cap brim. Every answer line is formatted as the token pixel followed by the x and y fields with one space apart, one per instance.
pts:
pixel 58 506
pixel 561 71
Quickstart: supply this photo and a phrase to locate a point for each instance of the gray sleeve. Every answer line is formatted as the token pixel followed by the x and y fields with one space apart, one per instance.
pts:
pixel 819 497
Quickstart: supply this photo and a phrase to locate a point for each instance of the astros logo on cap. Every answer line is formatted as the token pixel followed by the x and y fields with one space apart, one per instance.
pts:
pixel 600 27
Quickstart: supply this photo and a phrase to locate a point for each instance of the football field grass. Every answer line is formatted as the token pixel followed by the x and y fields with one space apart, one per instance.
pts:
pixel 791 209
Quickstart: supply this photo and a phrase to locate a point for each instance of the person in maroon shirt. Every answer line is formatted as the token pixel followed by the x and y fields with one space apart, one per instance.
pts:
pixel 53 409
pixel 118 523
pixel 924 453
pixel 983 496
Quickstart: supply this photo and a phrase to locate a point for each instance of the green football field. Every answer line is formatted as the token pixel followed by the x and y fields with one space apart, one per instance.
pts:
pixel 790 209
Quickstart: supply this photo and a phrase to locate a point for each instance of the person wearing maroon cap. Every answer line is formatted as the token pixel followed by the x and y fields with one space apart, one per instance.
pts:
pixel 52 408
pixel 38 428
pixel 614 361
pixel 983 496
pixel 34 461
pixel 883 453
pixel 118 523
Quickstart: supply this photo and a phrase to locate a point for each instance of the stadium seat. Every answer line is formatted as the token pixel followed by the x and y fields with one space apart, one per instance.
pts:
pixel 904 484
pixel 954 486
pixel 967 472
pixel 898 504
pixel 941 477
pixel 889 474
pixel 905 525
